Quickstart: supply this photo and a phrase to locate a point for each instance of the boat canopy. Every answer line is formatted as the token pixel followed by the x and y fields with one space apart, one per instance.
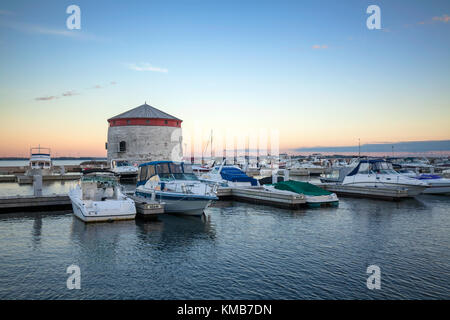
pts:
pixel 301 188
pixel 165 170
pixel 236 175
pixel 373 166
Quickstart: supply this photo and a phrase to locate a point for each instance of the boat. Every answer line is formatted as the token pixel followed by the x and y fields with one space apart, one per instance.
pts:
pixel 377 173
pixel 228 176
pixel 175 184
pixel 124 169
pixel 40 162
pixel 436 183
pixel 314 195
pixel 98 197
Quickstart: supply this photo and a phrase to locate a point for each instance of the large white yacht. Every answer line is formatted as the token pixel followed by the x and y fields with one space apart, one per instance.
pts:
pixel 98 197
pixel 380 174
pixel 175 184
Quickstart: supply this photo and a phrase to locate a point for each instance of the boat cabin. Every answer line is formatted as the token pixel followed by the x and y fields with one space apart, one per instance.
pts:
pixel 165 171
pixel 373 167
pixel 40 158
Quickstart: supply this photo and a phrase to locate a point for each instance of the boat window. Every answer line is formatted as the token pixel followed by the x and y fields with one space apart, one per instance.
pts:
pixel 143 173
pixel 123 164
pixel 150 171
pixel 162 168
pixel 363 168
pixel 175 168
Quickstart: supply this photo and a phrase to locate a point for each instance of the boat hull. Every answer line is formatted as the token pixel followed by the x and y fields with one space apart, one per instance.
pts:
pixel 190 205
pixel 437 189
pixel 82 213
pixel 412 190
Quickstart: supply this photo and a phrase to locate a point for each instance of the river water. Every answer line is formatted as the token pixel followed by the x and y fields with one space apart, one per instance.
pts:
pixel 238 251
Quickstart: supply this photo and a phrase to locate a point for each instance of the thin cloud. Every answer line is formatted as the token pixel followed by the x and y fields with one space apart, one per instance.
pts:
pixel 146 67
pixel 97 86
pixel 46 98
pixel 70 93
pixel 445 19
pixel 319 46
pixel 113 83
pixel 438 19
pixel 37 29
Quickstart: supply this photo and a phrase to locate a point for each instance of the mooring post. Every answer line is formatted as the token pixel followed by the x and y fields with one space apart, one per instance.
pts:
pixel 286 175
pixel 37 185
pixel 274 177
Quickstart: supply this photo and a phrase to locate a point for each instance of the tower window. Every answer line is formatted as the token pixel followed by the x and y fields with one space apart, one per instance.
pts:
pixel 122 146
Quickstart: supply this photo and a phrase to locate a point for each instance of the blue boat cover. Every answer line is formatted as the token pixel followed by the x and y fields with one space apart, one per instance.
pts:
pixel 428 176
pixel 236 175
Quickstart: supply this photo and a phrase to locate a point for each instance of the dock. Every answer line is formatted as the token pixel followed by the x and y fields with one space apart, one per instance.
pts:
pixel 259 195
pixel 34 203
pixel 54 177
pixel 365 192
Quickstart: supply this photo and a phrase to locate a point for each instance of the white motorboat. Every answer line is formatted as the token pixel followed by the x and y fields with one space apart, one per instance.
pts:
pixel 380 174
pixel 98 197
pixel 436 184
pixel 176 185
pixel 40 162
pixel 124 168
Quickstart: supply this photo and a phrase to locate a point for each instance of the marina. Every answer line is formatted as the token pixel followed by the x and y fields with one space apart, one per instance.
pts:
pixel 225 153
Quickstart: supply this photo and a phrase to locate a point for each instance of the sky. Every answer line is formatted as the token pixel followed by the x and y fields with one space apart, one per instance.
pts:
pixel 311 70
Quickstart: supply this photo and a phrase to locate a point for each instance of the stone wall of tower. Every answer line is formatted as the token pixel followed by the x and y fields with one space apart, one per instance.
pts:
pixel 145 143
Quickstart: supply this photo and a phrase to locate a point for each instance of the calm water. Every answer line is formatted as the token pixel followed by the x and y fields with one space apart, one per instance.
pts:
pixel 240 251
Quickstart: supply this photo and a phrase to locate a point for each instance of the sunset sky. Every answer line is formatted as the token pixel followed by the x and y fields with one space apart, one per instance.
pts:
pixel 310 69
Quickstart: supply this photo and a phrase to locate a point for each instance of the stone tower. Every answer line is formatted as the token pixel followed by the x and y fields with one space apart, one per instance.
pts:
pixel 144 134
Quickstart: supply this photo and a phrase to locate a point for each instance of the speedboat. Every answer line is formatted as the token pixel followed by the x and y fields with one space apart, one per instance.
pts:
pixel 175 184
pixel 436 184
pixel 124 169
pixel 40 161
pixel 380 174
pixel 228 176
pixel 98 197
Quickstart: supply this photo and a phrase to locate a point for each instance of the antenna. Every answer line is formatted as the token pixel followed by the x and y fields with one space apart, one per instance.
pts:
pixel 359 147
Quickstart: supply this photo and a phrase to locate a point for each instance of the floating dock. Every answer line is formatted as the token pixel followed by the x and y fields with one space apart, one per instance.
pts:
pixel 259 195
pixel 365 192
pixel 34 203
pixel 53 177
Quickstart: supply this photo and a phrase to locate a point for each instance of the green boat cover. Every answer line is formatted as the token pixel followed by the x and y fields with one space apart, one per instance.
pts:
pixel 301 187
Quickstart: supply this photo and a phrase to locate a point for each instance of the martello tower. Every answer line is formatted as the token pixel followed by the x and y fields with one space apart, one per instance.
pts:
pixel 144 134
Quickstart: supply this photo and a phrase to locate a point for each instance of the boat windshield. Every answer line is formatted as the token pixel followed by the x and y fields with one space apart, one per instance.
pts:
pixel 175 171
pixel 383 168
pixel 123 164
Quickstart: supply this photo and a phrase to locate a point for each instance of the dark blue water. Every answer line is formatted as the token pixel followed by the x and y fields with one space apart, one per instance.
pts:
pixel 240 251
